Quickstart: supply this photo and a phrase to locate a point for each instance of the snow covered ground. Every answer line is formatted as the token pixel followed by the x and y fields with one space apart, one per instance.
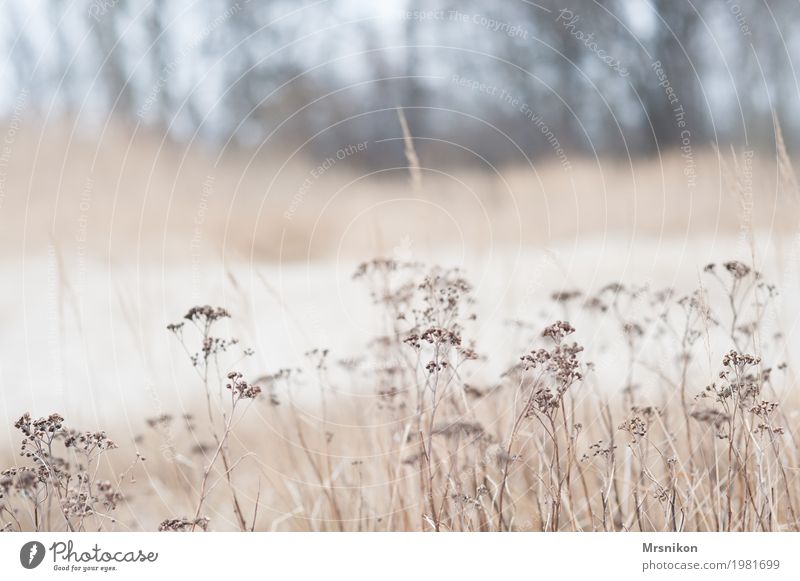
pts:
pixel 90 341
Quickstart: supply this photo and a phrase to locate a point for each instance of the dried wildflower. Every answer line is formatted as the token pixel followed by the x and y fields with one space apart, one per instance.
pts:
pixel 240 388
pixel 473 392
pixel 162 421
pixel 613 288
pixel 535 359
pixel 600 449
pixel 211 346
pixel 52 424
pixel 737 378
pixel 566 296
pixel 563 364
pixel 175 327
pixel 206 314
pixel 182 525
pixel 88 442
pixel 595 304
pixel 711 416
pixel 647 412
pixel 203 319
pixel 636 426
pixel 441 336
pixel 663 296
pixel 468 354
pixel 108 495
pixel 376 264
pixel 77 504
pixel 435 366
pixel 558 368
pixel 739 361
pixel 763 428
pixel 639 423
pixel 65 463
pixel 558 331
pixel 23 481
pixel 319 357
pixel 413 341
pixel 458 429
pixel 737 269
pixel 764 408
pixel 632 329
pixel 697 305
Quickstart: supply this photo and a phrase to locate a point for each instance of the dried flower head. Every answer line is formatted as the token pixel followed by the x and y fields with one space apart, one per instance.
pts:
pixel 558 331
pixel 240 388
pixel 737 269
pixel 182 525
pixel 206 314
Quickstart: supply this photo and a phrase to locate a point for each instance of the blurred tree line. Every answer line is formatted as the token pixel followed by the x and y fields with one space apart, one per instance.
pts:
pixel 501 79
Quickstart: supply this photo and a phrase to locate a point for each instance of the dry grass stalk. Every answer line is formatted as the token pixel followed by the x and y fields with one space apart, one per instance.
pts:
pixel 544 447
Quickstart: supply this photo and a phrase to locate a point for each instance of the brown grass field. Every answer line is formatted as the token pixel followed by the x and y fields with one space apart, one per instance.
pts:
pixel 617 405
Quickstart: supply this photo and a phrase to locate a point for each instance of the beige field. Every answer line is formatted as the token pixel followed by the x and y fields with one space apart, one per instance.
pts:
pixel 127 196
pixel 448 399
